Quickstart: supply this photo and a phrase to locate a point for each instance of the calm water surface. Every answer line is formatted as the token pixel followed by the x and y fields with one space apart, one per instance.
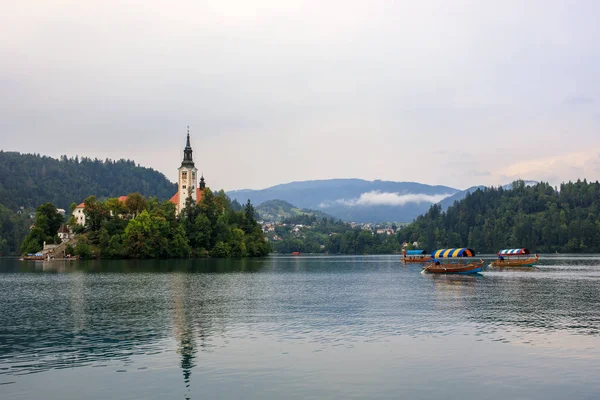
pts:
pixel 298 328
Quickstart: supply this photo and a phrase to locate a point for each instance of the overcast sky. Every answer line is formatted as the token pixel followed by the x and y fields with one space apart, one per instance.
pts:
pixel 440 92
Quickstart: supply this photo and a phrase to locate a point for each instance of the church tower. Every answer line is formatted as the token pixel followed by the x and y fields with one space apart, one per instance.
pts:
pixel 187 179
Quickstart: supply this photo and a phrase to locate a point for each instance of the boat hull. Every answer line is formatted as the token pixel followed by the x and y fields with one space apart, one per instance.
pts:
pixel 529 262
pixel 471 268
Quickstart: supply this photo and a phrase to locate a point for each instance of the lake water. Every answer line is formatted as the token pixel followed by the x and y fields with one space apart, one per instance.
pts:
pixel 298 328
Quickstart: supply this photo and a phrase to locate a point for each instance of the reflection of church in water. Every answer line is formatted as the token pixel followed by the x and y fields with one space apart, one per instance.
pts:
pixel 183 327
pixel 189 332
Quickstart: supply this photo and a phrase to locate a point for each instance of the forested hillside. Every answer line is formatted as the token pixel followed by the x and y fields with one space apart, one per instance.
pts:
pixel 13 228
pixel 28 180
pixel 354 200
pixel 278 210
pixel 538 217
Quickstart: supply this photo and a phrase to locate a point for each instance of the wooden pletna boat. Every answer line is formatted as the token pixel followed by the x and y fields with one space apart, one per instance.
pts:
pixel 515 258
pixel 33 257
pixel 437 267
pixel 415 256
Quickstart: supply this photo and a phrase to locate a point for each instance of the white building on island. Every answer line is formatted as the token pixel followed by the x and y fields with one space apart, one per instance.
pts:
pixel 79 214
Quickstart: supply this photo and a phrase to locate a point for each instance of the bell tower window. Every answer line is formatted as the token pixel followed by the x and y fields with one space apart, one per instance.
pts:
pixel 184 175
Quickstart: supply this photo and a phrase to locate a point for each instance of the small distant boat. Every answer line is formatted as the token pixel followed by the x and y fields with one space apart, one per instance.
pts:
pixel 33 257
pixel 415 256
pixel 295 253
pixel 436 267
pixel 512 258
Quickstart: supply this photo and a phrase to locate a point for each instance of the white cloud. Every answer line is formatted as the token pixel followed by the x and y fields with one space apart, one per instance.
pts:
pixel 377 198
pixel 556 168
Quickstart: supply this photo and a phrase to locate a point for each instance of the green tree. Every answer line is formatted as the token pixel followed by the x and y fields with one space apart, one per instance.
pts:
pixel 45 229
pixel 143 237
pixel 237 244
pixel 96 213
pixel 202 232
pixel 221 250
pixel 115 247
pixel 84 251
pixel 48 219
pixel 135 204
pixel 116 207
pixel 34 241
pixel 250 214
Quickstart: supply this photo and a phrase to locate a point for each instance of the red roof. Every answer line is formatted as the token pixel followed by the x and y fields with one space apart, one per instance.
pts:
pixel 122 199
pixel 63 229
pixel 199 196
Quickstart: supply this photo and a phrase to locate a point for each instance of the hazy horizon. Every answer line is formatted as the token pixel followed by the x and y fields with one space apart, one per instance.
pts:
pixel 458 93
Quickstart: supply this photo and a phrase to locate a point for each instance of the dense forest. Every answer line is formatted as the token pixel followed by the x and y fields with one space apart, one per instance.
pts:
pixel 542 218
pixel 28 180
pixel 13 228
pixel 149 228
pixel 310 234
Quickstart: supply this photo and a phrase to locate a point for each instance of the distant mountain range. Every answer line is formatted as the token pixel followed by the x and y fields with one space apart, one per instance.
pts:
pixel 359 200
pixel 354 199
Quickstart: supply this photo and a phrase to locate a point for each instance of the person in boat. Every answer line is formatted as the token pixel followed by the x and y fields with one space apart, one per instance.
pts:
pixel 436 261
pixel 500 258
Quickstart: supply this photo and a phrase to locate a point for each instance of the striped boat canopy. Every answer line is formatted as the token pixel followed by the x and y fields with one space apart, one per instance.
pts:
pixel 446 253
pixel 415 252
pixel 513 252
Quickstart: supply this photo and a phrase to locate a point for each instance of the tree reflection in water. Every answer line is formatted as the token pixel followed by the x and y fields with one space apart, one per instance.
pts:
pixel 67 315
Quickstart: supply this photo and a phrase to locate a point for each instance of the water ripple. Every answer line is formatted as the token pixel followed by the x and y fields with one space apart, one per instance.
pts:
pixel 102 315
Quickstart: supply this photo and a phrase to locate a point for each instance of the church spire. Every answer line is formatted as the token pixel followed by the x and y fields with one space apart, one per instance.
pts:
pixel 202 183
pixel 188 161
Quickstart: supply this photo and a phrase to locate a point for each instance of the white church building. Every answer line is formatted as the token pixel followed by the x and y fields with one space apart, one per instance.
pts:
pixel 187 185
pixel 187 180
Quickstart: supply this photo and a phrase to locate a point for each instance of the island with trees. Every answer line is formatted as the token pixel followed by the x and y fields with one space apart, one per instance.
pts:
pixel 148 228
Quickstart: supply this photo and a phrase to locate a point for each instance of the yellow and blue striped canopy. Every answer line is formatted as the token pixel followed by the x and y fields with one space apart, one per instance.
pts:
pixel 513 252
pixel 447 253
